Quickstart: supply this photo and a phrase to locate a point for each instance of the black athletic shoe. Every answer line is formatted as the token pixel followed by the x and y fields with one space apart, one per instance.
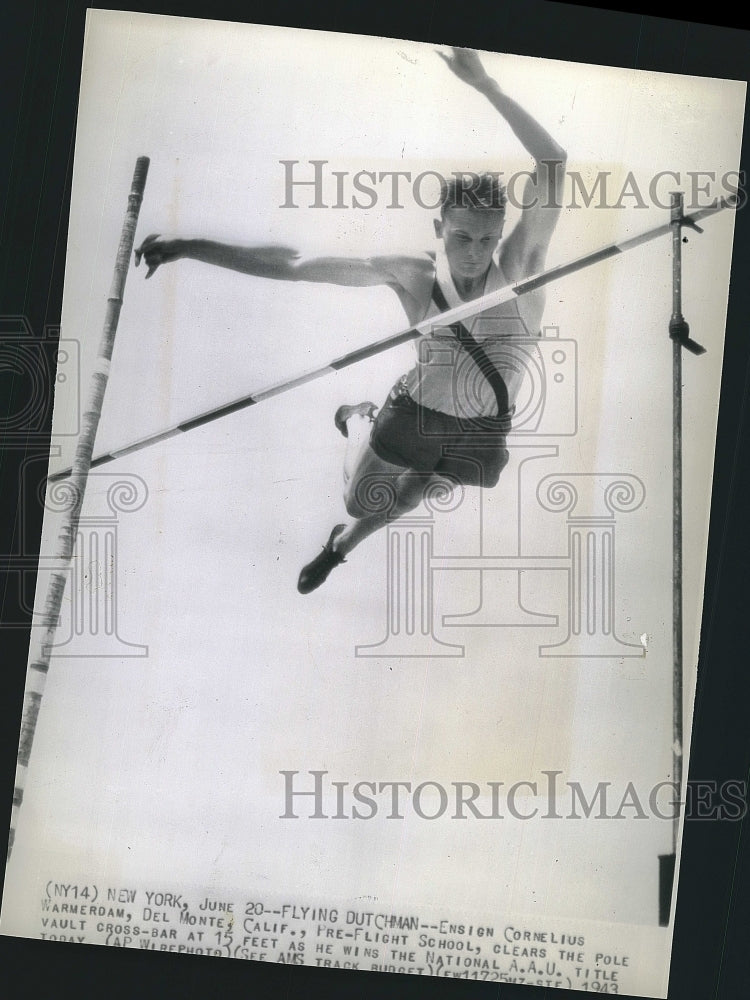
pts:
pixel 316 572
pixel 343 413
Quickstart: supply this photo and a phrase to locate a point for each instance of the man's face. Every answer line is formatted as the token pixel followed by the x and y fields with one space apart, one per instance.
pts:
pixel 470 237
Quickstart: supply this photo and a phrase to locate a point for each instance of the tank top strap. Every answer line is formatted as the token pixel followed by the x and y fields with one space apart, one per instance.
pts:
pixel 477 354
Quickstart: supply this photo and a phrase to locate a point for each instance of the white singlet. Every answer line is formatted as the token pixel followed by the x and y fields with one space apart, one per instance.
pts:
pixel 445 377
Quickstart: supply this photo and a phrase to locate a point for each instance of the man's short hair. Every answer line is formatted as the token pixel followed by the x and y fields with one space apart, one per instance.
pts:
pixel 465 189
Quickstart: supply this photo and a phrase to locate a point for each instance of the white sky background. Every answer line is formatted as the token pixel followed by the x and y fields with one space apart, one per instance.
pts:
pixel 244 677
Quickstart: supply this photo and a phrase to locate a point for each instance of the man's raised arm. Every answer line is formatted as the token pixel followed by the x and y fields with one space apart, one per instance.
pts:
pixel 541 201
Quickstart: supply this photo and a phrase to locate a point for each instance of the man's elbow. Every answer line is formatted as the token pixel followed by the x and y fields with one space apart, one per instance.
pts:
pixel 557 158
pixel 284 264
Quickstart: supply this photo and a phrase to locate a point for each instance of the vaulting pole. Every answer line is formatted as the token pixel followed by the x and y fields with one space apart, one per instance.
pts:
pixel 76 488
pixel 460 312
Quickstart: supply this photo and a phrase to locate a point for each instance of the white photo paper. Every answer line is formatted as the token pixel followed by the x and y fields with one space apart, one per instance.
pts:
pixel 454 753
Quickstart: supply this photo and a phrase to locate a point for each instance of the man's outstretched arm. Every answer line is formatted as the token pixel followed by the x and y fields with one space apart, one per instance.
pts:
pixel 273 261
pixel 405 274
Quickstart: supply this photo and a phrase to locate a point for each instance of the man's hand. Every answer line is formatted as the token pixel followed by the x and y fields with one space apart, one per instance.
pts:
pixel 467 67
pixel 155 251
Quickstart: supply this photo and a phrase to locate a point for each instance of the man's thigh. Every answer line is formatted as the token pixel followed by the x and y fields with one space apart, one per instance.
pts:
pixel 374 485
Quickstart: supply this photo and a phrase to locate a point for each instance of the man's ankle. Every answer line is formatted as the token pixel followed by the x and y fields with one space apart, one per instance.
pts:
pixel 340 542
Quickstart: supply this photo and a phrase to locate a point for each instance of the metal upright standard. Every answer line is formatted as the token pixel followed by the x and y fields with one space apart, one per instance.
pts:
pixel 679 333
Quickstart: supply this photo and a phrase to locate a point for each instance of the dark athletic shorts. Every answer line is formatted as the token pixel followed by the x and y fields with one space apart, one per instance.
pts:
pixel 473 452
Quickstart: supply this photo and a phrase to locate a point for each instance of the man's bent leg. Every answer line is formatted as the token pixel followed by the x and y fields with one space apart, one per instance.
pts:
pixel 370 491
pixel 400 496
pixel 386 492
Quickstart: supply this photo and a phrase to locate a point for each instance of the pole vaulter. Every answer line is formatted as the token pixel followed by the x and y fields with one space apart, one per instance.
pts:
pixel 465 310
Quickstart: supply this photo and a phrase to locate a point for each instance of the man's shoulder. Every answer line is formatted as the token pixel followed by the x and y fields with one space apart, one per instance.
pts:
pixel 411 271
pixel 422 263
pixel 411 276
pixel 518 260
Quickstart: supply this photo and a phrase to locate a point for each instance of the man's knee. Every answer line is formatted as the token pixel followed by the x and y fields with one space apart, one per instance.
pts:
pixel 414 487
pixel 353 508
pixel 440 488
pixel 375 493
